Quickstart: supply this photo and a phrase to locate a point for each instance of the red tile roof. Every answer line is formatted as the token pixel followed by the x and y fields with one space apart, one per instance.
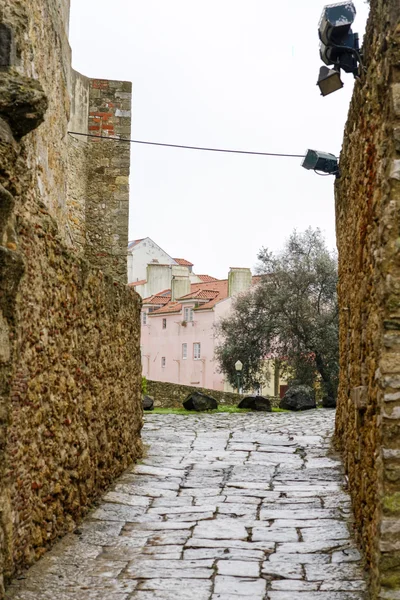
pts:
pixel 206 278
pixel 183 262
pixel 200 294
pixel 141 282
pixel 214 292
pixel 171 307
pixel 161 298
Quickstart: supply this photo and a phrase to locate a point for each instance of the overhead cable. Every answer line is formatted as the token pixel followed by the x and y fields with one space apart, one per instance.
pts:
pixel 117 139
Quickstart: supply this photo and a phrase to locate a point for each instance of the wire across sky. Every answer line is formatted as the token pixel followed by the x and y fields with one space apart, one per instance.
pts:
pixel 117 139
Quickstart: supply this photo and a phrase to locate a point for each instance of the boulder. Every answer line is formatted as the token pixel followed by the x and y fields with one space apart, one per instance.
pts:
pixel 298 397
pixel 199 401
pixel 148 403
pixel 256 403
pixel 329 402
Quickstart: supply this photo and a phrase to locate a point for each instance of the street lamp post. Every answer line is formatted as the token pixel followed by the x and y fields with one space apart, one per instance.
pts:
pixel 238 369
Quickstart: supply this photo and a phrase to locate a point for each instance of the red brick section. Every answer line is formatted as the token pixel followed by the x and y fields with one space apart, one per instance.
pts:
pixel 104 104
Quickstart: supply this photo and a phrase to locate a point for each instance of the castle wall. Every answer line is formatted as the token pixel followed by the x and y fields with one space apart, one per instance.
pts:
pixel 368 224
pixel 70 406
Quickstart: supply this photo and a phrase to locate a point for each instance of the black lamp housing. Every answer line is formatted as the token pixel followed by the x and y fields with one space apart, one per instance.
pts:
pixel 339 45
pixel 323 162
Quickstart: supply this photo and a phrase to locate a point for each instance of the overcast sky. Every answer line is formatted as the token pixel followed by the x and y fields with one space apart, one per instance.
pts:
pixel 238 74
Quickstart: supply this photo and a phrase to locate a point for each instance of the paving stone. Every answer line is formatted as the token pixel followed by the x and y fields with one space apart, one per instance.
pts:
pixel 316 596
pixel 281 570
pixel 226 530
pixel 298 514
pixel 193 588
pixel 339 572
pixel 238 568
pixel 314 559
pixel 334 531
pixel 243 499
pixel 206 543
pixel 356 585
pixel 224 553
pixel 349 555
pixel 179 510
pixel 128 499
pixel 238 510
pixel 294 585
pixel 310 547
pixel 238 586
pixel 270 534
pixel 188 511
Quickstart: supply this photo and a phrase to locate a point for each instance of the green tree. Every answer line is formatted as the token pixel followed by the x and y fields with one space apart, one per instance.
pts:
pixel 292 315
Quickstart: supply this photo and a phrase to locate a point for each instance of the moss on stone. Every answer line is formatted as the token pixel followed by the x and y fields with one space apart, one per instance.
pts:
pixel 391 503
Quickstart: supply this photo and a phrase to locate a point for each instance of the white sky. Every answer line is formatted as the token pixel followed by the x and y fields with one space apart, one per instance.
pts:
pixel 237 74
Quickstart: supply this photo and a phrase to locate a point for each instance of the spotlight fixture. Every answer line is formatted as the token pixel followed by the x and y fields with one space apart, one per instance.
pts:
pixel 322 162
pixel 339 45
pixel 329 80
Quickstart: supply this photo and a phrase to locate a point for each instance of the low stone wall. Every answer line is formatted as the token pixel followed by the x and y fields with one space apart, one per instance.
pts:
pixel 171 395
pixel 72 415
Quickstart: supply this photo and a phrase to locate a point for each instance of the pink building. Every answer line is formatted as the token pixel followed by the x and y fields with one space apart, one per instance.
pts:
pixel 178 334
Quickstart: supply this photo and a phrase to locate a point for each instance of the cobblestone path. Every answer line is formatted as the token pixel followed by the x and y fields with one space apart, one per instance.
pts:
pixel 223 507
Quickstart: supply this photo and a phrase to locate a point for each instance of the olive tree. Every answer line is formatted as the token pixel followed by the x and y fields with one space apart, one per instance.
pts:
pixel 290 315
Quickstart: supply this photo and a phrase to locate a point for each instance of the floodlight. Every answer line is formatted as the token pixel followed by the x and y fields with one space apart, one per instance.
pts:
pixel 336 21
pixel 321 161
pixel 339 45
pixel 329 80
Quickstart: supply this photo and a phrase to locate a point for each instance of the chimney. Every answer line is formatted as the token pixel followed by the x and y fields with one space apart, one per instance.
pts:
pixel 180 283
pixel 239 280
pixel 158 278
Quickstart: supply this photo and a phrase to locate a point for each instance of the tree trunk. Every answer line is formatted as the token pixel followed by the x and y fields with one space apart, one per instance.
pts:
pixel 328 383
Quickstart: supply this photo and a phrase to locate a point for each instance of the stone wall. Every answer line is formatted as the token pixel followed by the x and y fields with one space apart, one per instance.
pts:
pixel 171 395
pixel 368 224
pixel 107 203
pixel 70 410
pixel 74 415
pixel 98 172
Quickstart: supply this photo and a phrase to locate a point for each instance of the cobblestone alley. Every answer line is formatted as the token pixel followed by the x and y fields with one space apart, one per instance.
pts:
pixel 223 506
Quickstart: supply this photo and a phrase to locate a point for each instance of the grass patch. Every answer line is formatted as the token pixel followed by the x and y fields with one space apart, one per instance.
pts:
pixel 221 409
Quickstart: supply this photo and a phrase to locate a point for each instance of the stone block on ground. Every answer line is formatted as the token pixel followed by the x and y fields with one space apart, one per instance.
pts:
pixel 258 403
pixel 148 403
pixel 329 402
pixel 199 401
pixel 298 397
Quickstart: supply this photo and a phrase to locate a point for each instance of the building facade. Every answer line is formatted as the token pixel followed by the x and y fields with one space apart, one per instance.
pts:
pixel 179 334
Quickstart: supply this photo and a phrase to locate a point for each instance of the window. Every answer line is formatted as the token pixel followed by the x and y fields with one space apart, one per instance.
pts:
pixel 144 318
pixel 164 323
pixel 188 314
pixel 196 351
pixel 163 361
pixel 184 351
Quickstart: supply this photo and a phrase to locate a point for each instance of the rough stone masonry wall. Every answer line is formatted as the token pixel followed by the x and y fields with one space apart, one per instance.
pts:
pixel 97 195
pixel 107 202
pixel 171 395
pixel 368 228
pixel 70 410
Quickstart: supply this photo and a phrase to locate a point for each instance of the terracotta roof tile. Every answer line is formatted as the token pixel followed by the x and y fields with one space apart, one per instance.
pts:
pixel 161 298
pixel 201 294
pixel 206 278
pixel 141 282
pixel 183 262
pixel 214 292
pixel 171 307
